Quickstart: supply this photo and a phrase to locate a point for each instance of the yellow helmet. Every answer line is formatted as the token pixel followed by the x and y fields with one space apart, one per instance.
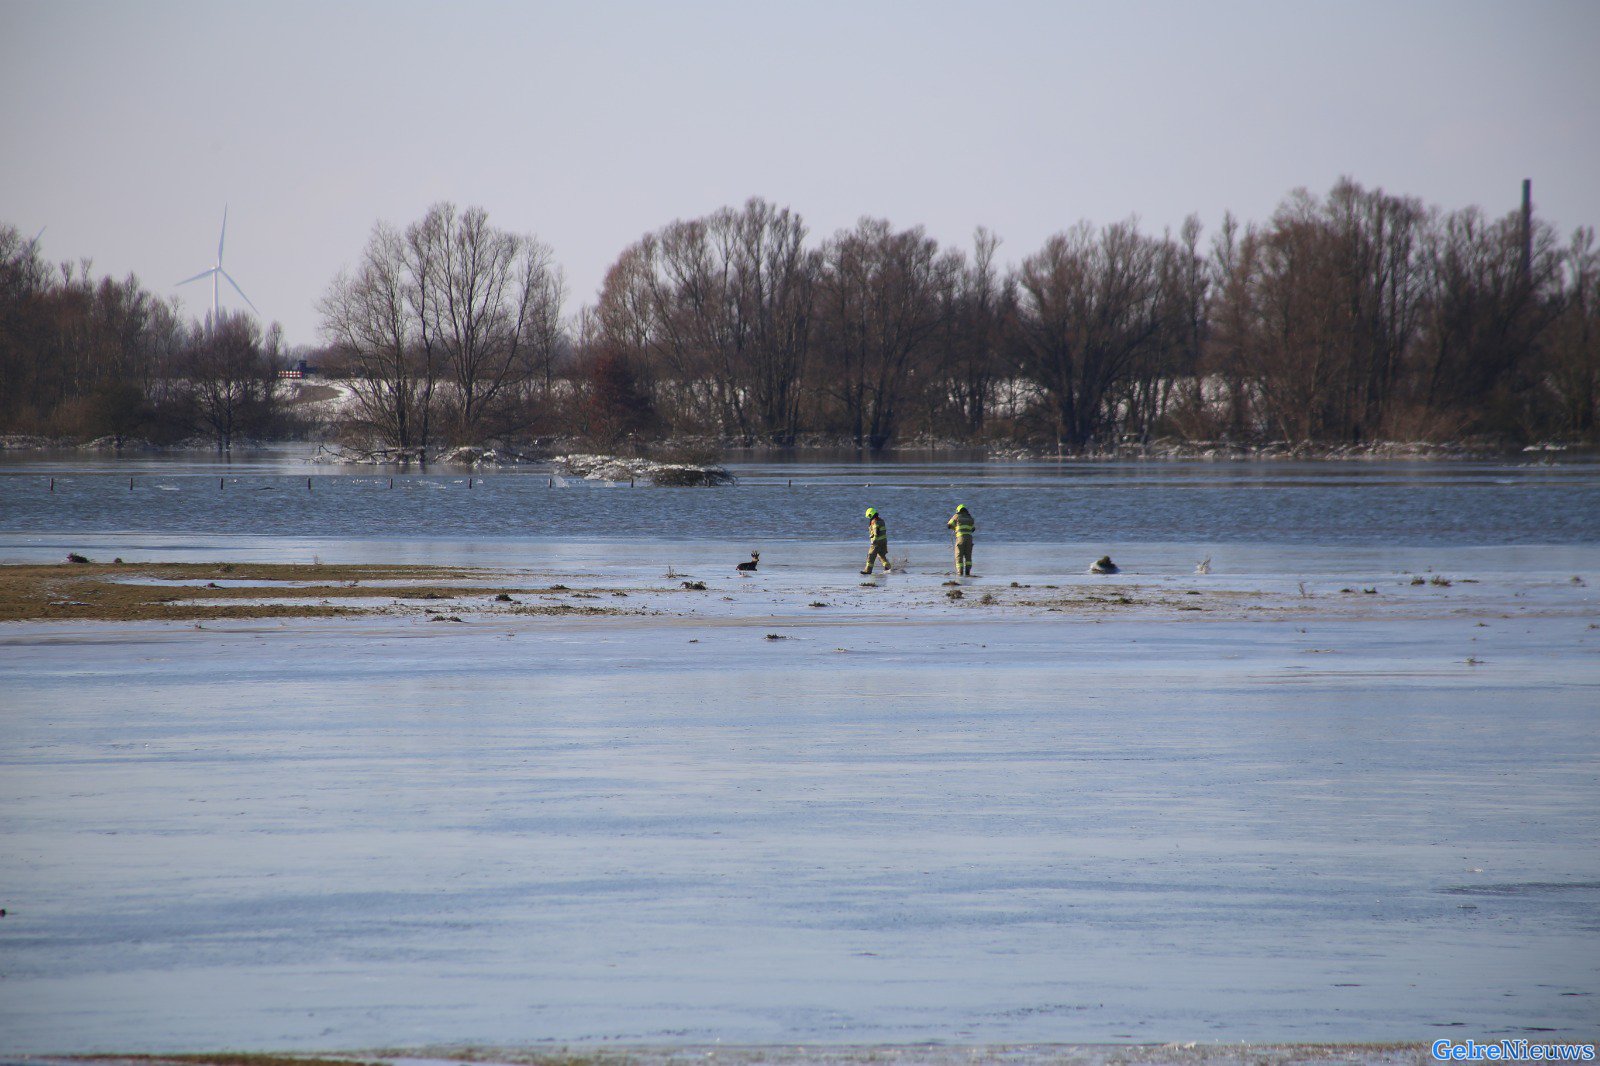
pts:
pixel 961 507
pixel 871 511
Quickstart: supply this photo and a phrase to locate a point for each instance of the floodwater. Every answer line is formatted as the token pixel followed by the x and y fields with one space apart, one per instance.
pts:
pixel 1344 818
pixel 1355 503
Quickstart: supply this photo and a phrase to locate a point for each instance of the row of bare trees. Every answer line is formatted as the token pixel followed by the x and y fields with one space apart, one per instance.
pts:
pixel 1365 315
pixel 1349 317
pixel 735 328
pixel 86 358
pixel 1352 317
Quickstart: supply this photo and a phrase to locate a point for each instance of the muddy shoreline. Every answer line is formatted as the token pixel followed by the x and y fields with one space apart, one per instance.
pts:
pixel 137 592
pixel 90 591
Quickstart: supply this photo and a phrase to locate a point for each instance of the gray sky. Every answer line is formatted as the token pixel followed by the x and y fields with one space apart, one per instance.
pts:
pixel 127 126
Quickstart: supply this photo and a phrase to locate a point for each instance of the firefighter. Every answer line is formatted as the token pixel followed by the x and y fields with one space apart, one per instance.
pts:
pixel 877 541
pixel 963 525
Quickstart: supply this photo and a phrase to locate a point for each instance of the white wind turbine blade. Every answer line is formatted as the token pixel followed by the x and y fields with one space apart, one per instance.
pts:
pixel 238 290
pixel 197 277
pixel 223 237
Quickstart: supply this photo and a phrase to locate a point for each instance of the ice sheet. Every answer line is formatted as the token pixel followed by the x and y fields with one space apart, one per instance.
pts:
pixel 909 822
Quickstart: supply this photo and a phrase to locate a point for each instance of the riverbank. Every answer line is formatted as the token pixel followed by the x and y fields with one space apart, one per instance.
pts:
pixel 549 451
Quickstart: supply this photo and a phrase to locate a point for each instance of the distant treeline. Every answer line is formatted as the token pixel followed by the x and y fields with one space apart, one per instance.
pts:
pixel 1359 316
pixel 82 359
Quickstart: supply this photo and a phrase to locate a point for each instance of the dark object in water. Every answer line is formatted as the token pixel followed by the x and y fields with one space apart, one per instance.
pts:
pixel 695 586
pixel 74 557
pixel 690 476
pixel 755 558
pixel 1104 565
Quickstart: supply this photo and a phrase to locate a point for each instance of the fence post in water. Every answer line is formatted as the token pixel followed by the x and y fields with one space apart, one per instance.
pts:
pixel 130 484
pixel 219 484
pixel 308 484
pixel 469 482
pixel 391 483
pixel 52 484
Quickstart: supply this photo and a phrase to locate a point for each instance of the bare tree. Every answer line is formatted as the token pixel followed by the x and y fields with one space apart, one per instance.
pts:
pixel 772 285
pixel 1090 306
pixel 370 320
pixel 1292 352
pixel 1317 314
pixel 1383 238
pixel 1574 369
pixel 720 311
pixel 1224 379
pixel 232 372
pixel 487 305
pixel 880 304
pixel 1168 368
pixel 451 316
pixel 969 345
pixel 638 318
pixel 1494 291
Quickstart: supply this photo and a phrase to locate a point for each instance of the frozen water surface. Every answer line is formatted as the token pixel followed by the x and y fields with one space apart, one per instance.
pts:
pixel 1296 815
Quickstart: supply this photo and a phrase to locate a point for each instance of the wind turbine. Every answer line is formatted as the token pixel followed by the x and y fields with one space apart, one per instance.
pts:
pixel 217 271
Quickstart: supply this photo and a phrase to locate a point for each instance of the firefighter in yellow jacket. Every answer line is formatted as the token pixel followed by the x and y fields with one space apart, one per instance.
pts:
pixel 963 525
pixel 877 540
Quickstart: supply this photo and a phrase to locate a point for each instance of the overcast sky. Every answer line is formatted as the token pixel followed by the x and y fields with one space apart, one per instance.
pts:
pixel 126 127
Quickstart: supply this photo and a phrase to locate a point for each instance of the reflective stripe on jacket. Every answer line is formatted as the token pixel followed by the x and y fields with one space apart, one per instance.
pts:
pixel 878 530
pixel 963 524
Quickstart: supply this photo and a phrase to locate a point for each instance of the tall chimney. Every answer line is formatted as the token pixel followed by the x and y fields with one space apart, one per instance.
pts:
pixel 1527 227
